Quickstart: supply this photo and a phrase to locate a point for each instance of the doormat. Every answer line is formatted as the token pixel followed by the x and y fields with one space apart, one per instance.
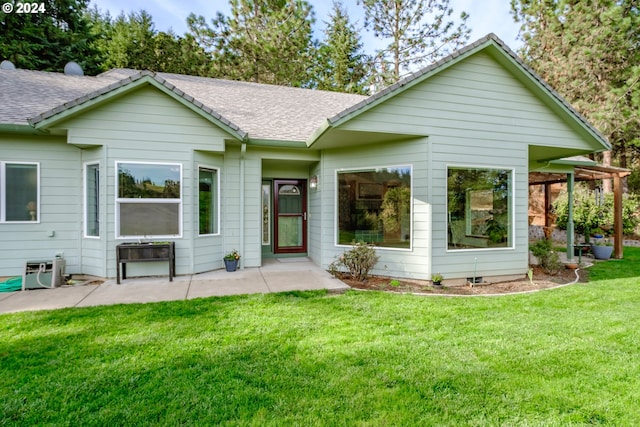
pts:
pixel 296 259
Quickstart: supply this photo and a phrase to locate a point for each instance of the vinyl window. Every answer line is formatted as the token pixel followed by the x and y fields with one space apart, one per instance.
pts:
pixel 374 206
pixel 19 192
pixel 148 200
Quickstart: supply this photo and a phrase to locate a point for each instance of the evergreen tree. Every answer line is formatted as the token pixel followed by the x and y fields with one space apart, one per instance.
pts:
pixel 47 40
pixel 589 52
pixel 341 63
pixel 419 32
pixel 132 41
pixel 265 41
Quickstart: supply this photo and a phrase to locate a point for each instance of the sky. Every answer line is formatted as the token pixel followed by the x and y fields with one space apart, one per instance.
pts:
pixel 485 16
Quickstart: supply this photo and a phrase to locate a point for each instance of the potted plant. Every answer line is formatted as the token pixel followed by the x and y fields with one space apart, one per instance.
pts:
pixel 601 249
pixel 231 260
pixel 436 279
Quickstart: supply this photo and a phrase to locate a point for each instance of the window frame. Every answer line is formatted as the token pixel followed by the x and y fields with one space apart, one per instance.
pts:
pixel 86 199
pixel 123 200
pixel 3 192
pixel 217 197
pixel 336 234
pixel 512 207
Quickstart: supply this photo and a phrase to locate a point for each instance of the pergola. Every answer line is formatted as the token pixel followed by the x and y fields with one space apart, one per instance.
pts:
pixel 584 169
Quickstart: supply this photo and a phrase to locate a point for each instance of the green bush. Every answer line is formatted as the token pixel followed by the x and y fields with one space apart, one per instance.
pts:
pixel 358 261
pixel 587 215
pixel 547 257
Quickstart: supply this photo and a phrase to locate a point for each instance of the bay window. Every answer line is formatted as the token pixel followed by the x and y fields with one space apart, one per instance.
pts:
pixel 92 200
pixel 208 201
pixel 148 199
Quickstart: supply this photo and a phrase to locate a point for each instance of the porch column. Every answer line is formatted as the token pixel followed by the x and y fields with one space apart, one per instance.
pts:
pixel 570 229
pixel 617 217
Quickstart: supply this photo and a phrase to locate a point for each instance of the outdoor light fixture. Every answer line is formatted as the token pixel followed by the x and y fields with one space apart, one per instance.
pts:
pixel 313 182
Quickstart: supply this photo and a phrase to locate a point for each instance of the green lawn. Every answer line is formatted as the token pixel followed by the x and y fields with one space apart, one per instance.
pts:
pixel 568 356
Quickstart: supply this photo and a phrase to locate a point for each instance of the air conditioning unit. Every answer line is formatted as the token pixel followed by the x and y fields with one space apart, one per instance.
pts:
pixel 43 274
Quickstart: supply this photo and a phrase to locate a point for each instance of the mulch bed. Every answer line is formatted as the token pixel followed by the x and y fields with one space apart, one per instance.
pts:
pixel 541 280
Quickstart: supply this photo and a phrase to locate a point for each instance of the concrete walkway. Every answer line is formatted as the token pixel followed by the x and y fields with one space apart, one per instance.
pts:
pixel 276 275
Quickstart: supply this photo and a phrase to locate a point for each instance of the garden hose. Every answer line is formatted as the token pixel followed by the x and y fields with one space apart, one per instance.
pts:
pixel 11 285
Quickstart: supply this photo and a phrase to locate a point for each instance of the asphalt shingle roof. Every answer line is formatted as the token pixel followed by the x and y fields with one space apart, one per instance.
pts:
pixel 262 111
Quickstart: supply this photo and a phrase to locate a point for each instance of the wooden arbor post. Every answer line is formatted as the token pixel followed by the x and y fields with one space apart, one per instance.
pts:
pixel 617 217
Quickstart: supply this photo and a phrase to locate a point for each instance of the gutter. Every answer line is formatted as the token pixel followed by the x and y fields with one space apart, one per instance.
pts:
pixel 20 129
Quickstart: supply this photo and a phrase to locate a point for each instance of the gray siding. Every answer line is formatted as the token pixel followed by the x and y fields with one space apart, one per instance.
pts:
pixel 474 114
pixel 393 262
pixel 60 205
pixel 148 126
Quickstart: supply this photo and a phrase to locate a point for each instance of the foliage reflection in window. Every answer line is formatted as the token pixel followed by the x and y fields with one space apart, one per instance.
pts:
pixel 374 206
pixel 479 208
pixel 207 201
pixel 149 199
pixel 92 200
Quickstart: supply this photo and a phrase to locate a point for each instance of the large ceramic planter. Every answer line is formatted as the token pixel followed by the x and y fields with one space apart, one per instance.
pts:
pixel 601 252
pixel 231 264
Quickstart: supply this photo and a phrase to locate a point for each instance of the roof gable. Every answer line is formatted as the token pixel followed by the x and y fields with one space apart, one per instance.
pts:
pixel 491 45
pixel 125 85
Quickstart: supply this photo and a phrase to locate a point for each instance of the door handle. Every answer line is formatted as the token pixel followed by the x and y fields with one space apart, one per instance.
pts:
pixel 305 216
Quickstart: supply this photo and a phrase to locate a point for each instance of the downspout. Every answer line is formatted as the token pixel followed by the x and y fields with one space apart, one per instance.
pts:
pixel 243 152
pixel 570 229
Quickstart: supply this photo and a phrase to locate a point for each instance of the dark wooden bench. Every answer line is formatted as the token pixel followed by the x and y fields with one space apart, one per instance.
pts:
pixel 145 252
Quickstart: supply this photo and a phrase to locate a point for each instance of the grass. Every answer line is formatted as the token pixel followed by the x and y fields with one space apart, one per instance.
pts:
pixel 567 356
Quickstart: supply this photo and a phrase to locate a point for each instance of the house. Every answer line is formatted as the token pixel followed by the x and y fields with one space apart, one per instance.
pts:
pixel 432 170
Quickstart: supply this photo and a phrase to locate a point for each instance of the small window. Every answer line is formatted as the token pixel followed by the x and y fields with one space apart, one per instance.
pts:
pixel 19 192
pixel 374 206
pixel 479 208
pixel 92 200
pixel 148 199
pixel 208 201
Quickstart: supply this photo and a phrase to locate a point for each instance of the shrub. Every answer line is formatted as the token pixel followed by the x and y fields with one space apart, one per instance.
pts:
pixel 587 215
pixel 358 261
pixel 547 257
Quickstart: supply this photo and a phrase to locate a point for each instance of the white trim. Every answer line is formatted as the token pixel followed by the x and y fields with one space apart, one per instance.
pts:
pixel 512 171
pixel 373 169
pixel 119 201
pixel 85 198
pixel 197 195
pixel 3 192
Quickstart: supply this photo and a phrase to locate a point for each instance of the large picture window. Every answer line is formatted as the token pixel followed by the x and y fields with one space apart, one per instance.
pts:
pixel 479 208
pixel 208 201
pixel 374 206
pixel 19 192
pixel 148 199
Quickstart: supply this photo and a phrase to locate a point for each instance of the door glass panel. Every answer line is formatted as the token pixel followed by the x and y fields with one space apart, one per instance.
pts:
pixel 289 231
pixel 290 204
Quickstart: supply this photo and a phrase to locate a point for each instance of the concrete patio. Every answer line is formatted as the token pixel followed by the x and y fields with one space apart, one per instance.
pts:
pixel 276 275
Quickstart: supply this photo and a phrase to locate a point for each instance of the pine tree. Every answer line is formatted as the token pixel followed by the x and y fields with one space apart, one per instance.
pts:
pixel 265 41
pixel 132 41
pixel 420 32
pixel 589 52
pixel 341 63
